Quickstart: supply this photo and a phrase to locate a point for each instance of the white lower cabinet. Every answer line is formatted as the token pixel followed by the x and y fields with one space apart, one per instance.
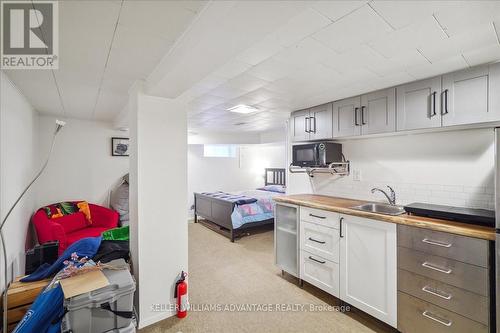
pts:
pixel 368 266
pixel 320 272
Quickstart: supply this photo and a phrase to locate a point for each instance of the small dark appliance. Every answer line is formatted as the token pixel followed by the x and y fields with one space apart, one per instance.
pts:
pixel 465 215
pixel 319 154
pixel 41 254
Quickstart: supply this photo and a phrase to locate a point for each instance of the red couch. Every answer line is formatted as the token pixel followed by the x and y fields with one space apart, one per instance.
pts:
pixel 70 228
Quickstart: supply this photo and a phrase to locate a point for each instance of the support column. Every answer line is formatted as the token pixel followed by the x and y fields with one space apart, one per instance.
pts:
pixel 158 201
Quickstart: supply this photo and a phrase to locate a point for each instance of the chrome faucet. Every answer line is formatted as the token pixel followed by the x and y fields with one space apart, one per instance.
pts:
pixel 391 198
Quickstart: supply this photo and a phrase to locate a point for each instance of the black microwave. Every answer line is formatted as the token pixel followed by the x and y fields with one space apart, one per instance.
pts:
pixel 318 154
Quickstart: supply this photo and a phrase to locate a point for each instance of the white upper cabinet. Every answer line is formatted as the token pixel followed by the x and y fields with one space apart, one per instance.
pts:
pixel 347 117
pixel 378 112
pixel 368 266
pixel 300 125
pixel 321 122
pixel 418 104
pixel 465 97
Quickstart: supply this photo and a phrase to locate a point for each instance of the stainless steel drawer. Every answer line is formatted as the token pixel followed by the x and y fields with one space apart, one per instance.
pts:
pixel 458 300
pixel 466 249
pixel 319 216
pixel 456 273
pixel 417 316
pixel 320 240
pixel 320 272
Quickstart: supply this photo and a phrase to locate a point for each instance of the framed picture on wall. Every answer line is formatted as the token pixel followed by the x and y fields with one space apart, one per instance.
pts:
pixel 119 146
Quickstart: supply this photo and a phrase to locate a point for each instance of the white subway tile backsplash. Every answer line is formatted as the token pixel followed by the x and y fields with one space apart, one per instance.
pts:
pixel 452 195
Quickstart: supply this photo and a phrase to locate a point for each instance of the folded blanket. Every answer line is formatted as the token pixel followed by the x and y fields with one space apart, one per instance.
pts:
pixel 85 247
pixel 235 198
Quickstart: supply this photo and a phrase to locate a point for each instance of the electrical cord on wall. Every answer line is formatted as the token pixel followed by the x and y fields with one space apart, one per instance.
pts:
pixel 59 126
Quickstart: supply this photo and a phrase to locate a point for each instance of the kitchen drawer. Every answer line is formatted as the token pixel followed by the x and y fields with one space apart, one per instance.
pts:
pixel 418 316
pixel 456 273
pixel 320 272
pixel 318 216
pixel 320 240
pixel 466 249
pixel 458 300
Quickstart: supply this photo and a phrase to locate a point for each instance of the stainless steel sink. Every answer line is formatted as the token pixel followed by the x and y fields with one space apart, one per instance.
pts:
pixel 381 208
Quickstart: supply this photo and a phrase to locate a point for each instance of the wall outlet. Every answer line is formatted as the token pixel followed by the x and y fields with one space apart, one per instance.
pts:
pixel 356 175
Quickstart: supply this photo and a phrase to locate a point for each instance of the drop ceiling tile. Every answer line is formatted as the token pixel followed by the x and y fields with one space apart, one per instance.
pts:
pixel 361 56
pixel 301 26
pixel 247 82
pixel 309 51
pixel 403 13
pixel 271 70
pixel 483 55
pixel 335 10
pixel 437 68
pixel 258 96
pixel 409 58
pixel 39 86
pixel 165 19
pixel 261 51
pixel 127 53
pixel 348 32
pixel 232 69
pixel 474 38
pixel 423 32
pixel 465 14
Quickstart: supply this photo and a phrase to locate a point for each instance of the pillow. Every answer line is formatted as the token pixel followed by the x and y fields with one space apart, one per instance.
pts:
pixel 72 222
pixel 273 188
pixel 83 206
pixel 119 202
pixel 60 209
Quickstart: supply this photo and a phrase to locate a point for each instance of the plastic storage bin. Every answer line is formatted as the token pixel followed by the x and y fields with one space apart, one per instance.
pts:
pixel 103 310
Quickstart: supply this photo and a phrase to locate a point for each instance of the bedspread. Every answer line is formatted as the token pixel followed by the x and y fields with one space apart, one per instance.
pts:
pixel 260 210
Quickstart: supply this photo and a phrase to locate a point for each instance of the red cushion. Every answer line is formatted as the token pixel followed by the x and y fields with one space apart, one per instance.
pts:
pixel 72 222
pixel 87 232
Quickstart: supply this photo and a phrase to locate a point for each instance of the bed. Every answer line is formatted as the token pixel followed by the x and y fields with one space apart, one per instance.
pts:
pixel 239 211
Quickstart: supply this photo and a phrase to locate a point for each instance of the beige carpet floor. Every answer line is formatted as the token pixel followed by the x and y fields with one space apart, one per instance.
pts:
pixel 224 273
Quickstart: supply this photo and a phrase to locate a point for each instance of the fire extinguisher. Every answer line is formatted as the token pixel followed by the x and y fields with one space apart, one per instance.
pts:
pixel 181 295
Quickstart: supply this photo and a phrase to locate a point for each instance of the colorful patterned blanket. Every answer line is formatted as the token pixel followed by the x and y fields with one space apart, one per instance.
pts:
pixel 238 199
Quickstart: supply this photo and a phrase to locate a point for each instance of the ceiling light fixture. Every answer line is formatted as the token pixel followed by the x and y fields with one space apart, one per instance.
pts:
pixel 242 108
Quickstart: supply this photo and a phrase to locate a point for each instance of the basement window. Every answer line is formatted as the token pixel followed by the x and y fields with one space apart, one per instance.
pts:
pixel 219 150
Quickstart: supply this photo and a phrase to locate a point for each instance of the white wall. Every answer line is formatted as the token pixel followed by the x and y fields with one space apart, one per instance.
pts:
pixel 243 172
pixel 158 191
pixel 81 167
pixel 18 142
pixel 449 168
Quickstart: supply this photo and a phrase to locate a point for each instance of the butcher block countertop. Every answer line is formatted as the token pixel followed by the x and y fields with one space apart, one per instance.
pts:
pixel 342 205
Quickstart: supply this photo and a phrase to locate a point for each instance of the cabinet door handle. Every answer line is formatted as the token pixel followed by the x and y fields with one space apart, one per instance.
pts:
pixel 317 241
pixel 340 227
pixel 432 316
pixel 437 292
pixel 317 216
pixel 318 261
pixel 437 243
pixel 306 127
pixel 433 104
pixel 445 109
pixel 436 268
pixel 356 123
pixel 363 122
pixel 314 119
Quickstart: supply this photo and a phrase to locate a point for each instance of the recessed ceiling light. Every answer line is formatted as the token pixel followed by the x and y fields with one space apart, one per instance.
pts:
pixel 242 108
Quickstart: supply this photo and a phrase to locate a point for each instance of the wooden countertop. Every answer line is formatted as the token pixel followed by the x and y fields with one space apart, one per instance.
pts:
pixel 342 205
